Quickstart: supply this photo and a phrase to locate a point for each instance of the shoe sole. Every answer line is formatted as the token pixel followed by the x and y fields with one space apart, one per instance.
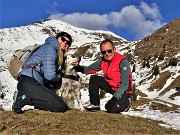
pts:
pixel 92 110
pixel 15 96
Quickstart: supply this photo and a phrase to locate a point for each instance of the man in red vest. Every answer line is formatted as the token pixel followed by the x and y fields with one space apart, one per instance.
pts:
pixel 117 79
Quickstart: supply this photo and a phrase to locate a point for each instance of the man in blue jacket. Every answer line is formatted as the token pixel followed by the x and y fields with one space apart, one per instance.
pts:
pixel 40 68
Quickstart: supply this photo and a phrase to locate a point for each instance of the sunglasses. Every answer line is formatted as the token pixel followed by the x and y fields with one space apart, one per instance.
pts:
pixel 104 52
pixel 67 41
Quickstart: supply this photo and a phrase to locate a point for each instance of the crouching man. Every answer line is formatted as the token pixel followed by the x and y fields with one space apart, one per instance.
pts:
pixel 117 79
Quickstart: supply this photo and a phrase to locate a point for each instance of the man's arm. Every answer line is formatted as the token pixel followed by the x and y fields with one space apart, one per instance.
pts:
pixel 94 67
pixel 124 82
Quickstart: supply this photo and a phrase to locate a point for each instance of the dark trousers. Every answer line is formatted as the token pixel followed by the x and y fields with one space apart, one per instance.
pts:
pixel 41 97
pixel 97 82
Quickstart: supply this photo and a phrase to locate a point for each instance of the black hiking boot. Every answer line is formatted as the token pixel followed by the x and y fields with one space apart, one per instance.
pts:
pixel 20 100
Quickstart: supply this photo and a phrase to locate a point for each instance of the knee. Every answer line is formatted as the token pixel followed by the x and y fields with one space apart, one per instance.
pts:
pixel 117 106
pixel 62 108
pixel 93 78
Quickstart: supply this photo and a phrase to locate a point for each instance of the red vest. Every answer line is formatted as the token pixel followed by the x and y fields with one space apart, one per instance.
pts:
pixel 112 72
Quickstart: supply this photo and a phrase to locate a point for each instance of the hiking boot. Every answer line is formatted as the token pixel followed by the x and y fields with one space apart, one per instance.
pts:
pixel 92 107
pixel 20 101
pixel 127 109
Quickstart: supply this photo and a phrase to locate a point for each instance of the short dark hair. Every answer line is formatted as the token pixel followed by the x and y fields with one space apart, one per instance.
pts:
pixel 105 41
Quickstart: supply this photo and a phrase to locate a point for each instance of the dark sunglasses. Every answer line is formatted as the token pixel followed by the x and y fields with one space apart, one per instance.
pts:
pixel 104 52
pixel 67 42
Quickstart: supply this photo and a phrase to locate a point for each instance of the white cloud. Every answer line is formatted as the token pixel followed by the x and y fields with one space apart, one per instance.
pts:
pixel 140 21
pixel 128 17
pixel 151 12
pixel 84 20
pixel 134 20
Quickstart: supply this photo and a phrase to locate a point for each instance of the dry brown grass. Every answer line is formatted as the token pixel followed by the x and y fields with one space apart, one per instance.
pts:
pixel 142 100
pixel 167 39
pixel 81 50
pixel 174 84
pixel 38 122
pixel 160 82
pixel 174 95
pixel 139 102
pixel 155 104
pixel 163 106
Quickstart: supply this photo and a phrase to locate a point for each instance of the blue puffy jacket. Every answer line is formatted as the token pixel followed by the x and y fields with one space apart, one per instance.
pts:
pixel 44 60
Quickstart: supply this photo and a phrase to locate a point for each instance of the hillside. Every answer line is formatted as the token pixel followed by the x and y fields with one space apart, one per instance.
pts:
pixel 157 94
pixel 159 49
pixel 165 40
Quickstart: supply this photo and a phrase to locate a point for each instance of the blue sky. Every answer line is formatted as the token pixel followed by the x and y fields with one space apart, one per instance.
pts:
pixel 130 19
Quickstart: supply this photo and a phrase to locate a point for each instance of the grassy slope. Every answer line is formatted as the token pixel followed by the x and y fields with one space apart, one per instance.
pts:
pixel 75 122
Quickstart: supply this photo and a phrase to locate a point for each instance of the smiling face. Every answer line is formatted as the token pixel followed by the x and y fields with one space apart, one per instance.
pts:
pixel 64 43
pixel 107 50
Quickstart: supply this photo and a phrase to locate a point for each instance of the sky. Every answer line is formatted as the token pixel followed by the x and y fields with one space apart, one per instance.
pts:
pixel 130 19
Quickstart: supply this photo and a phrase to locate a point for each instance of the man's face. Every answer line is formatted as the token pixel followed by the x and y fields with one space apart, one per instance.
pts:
pixel 108 51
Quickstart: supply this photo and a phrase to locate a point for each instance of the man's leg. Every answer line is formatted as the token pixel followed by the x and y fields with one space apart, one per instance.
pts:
pixel 95 83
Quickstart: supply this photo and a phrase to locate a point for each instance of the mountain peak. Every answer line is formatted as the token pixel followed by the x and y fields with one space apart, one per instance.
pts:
pixel 37 32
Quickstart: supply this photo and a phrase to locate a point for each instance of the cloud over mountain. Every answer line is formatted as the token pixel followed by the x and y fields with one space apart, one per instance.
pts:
pixel 131 18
